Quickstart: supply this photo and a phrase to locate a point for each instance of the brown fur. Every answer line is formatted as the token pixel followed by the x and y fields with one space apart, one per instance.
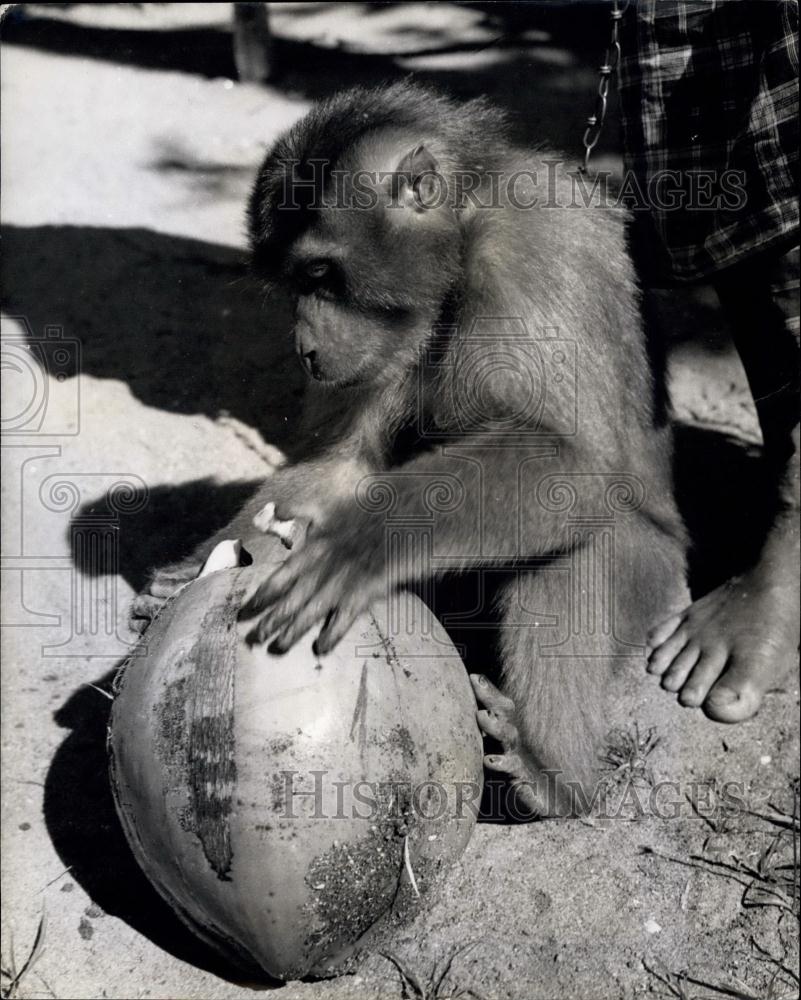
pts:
pixel 389 335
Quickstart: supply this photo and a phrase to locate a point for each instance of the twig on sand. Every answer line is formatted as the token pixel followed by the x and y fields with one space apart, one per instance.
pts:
pixel 679 984
pixel 106 694
pixel 407 861
pixel 55 878
pixel 13 976
pixel 771 882
pixel 434 987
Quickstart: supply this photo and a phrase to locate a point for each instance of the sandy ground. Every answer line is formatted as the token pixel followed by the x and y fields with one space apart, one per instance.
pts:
pixel 127 155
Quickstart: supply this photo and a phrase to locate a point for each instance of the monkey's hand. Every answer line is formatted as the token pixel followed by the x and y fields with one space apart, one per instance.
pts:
pixel 335 576
pixel 169 581
pixel 163 584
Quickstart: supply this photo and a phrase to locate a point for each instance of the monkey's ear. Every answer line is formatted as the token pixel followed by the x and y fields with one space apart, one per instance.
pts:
pixel 417 181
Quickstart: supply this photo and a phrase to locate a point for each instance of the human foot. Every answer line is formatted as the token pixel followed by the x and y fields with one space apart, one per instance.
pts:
pixel 729 648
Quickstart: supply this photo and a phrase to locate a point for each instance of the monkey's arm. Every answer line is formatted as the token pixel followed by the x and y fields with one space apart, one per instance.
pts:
pixel 488 514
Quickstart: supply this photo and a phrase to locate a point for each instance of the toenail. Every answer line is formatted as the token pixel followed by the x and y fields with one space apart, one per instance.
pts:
pixel 724 696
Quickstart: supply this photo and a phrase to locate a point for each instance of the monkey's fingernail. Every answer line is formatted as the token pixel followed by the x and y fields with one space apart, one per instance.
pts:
pixel 264 519
pixel 245 612
pixel 480 679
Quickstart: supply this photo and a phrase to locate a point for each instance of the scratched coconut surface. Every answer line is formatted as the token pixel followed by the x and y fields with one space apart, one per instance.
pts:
pixel 125 176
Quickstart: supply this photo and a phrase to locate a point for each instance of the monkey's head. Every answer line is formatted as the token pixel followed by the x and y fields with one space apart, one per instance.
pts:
pixel 352 213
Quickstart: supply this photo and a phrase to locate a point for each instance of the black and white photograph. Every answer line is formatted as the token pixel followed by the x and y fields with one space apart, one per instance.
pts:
pixel 400 508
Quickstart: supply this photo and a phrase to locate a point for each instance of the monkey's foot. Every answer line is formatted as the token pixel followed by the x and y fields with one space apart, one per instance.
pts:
pixel 729 648
pixel 497 719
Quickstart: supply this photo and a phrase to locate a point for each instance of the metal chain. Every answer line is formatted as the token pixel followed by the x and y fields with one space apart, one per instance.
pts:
pixel 595 122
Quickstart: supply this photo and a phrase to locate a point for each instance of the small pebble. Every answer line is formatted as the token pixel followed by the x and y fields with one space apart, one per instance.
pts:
pixel 765 759
pixel 652 927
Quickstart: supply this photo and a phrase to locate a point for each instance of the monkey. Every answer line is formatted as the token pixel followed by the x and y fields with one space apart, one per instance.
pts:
pixel 474 347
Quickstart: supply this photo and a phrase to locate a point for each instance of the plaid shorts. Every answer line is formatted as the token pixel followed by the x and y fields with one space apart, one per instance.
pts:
pixel 709 95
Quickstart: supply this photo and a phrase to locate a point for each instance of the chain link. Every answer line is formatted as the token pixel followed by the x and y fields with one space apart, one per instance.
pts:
pixel 595 122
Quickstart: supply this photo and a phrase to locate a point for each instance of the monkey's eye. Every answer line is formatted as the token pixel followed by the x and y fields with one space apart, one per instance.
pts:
pixel 317 269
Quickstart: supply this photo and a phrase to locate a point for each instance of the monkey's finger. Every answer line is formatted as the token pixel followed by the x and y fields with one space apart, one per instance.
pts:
pixel 509 764
pixel 265 518
pixel 269 624
pixel 280 582
pixel 662 632
pixel 662 658
pixel 145 606
pixel 335 629
pixel 287 637
pixel 490 697
pixel 289 529
pixel 259 633
pixel 139 625
pixel 294 527
pixel 287 605
pixel 527 800
pixel 297 534
pixel 289 633
pixel 499 728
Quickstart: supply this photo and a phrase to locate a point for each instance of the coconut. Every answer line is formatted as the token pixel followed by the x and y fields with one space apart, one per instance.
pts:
pixel 282 805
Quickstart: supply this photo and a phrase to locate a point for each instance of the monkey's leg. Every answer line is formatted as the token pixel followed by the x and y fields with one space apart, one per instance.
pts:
pixel 557 662
pixel 547 716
